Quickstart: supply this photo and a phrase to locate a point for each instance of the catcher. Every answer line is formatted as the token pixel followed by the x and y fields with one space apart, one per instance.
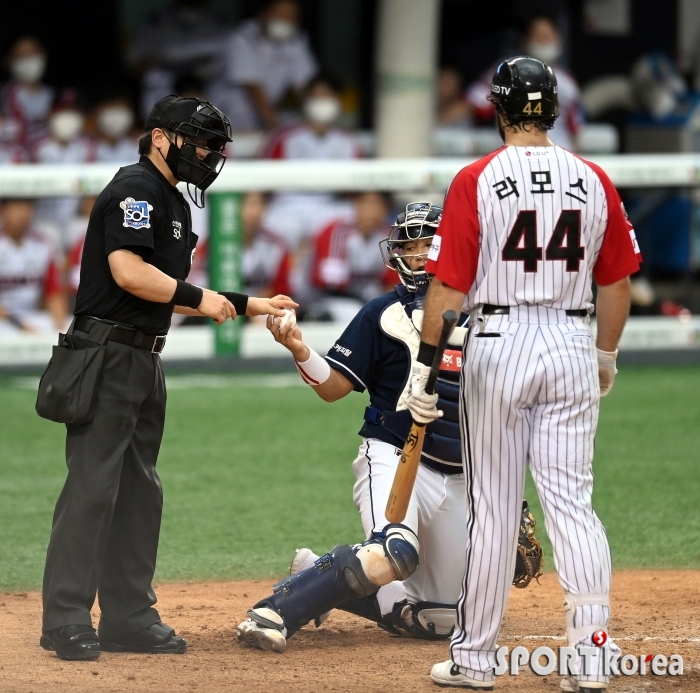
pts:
pixel 405 577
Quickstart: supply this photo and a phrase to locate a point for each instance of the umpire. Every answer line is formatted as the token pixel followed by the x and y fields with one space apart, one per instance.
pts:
pixel 138 252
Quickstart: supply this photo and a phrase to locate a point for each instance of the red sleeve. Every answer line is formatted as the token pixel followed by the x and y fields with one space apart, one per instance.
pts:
pixel 454 255
pixel 52 281
pixel 273 147
pixel 619 254
pixel 330 269
pixel 280 284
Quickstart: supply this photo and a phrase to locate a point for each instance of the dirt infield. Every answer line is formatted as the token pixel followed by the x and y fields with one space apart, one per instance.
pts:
pixel 655 612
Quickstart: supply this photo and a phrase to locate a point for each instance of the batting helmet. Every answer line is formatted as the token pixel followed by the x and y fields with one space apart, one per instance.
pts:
pixel 420 220
pixel 525 88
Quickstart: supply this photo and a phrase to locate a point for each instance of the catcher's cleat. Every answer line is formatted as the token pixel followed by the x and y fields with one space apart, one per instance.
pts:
pixel 448 674
pixel 264 630
pixel 303 560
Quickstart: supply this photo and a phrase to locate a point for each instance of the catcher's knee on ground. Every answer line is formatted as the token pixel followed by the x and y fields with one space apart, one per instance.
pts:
pixel 345 573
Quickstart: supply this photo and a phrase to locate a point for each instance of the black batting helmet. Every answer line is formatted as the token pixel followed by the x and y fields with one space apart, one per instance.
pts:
pixel 525 88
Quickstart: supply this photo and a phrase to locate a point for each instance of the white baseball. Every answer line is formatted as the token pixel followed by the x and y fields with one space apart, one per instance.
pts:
pixel 288 317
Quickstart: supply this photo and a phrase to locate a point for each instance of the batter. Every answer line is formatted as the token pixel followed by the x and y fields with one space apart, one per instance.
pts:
pixel 525 232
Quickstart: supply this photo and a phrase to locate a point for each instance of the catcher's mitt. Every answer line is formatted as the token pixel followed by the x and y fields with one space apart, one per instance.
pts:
pixel 530 559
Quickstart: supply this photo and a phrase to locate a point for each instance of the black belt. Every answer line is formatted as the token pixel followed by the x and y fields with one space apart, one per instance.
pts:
pixel 123 335
pixel 488 309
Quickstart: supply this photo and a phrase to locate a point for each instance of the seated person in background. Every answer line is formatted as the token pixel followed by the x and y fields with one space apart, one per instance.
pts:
pixel 347 269
pixel 25 98
pixel 298 216
pixel 266 260
pixel 11 152
pixel 316 136
pixel 452 108
pixel 186 38
pixel 31 293
pixel 66 143
pixel 541 40
pixel 264 58
pixel 114 121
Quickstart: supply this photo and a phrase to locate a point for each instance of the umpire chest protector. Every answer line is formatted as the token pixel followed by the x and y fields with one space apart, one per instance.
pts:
pixel 442 447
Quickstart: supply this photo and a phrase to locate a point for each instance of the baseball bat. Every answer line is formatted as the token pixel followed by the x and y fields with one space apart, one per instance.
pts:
pixel 405 476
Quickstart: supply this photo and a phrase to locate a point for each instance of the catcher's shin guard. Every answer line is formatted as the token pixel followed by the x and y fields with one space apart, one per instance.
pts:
pixel 335 578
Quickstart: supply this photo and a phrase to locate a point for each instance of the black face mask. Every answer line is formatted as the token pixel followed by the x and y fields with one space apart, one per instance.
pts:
pixel 186 166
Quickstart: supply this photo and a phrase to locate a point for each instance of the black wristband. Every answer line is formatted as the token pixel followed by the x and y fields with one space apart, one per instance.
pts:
pixel 187 295
pixel 240 301
pixel 426 354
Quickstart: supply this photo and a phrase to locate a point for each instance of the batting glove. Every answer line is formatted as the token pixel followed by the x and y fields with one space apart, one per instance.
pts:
pixel 606 370
pixel 421 405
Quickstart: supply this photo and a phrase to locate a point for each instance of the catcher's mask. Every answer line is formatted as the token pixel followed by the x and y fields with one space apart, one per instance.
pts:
pixel 203 128
pixel 420 220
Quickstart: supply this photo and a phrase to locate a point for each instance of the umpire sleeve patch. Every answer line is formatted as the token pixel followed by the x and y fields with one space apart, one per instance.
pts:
pixel 137 213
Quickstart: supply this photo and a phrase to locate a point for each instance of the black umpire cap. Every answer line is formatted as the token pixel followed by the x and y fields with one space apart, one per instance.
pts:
pixel 525 88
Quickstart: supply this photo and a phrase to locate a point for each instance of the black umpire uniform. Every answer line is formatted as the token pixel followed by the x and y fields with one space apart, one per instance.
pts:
pixel 107 519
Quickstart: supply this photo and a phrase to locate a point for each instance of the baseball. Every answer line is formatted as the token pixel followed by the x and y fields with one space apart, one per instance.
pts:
pixel 288 317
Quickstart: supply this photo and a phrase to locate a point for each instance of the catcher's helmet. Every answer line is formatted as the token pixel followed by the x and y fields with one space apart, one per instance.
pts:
pixel 525 88
pixel 420 220
pixel 202 127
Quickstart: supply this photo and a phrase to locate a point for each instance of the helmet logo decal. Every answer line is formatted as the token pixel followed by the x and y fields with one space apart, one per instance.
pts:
pixel 498 89
pixel 534 96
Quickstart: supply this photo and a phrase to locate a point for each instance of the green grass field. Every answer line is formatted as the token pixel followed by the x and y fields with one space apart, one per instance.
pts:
pixel 250 473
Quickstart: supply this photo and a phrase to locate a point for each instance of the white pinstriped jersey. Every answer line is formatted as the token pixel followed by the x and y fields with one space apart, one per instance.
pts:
pixel 532 226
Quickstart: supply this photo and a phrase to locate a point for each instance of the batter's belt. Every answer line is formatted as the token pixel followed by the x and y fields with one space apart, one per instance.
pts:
pixel 488 309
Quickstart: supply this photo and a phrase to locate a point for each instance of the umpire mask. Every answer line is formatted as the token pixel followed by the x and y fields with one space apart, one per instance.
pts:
pixel 205 131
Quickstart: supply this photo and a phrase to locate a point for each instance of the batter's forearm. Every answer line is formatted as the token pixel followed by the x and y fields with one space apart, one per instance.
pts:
pixel 612 309
pixel 440 298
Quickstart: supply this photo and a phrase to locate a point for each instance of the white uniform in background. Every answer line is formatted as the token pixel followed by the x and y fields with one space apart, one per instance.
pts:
pixel 28 273
pixel 124 151
pixel 54 214
pixel 250 57
pixel 527 229
pixel 296 216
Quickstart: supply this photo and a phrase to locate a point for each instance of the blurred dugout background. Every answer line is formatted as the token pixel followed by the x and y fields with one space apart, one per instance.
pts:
pixel 331 80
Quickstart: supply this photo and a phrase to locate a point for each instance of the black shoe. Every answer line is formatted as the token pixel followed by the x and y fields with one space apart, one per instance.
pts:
pixel 156 639
pixel 72 642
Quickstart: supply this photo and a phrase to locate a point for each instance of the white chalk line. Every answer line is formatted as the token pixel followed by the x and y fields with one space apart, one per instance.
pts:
pixel 629 638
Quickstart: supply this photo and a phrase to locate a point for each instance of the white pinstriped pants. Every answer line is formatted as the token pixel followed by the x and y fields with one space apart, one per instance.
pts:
pixel 530 394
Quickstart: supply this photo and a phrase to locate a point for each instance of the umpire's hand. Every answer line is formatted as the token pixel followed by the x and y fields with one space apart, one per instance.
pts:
pixel 269 306
pixel 216 307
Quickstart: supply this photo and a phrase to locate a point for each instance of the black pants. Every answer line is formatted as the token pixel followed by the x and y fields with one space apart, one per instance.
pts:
pixel 107 518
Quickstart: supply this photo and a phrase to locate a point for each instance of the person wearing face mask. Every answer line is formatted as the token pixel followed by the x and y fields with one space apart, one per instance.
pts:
pixel 114 121
pixel 297 216
pixel 25 98
pixel 263 60
pixel 184 39
pixel 137 256
pixel 541 40
pixel 317 136
pixel 66 143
